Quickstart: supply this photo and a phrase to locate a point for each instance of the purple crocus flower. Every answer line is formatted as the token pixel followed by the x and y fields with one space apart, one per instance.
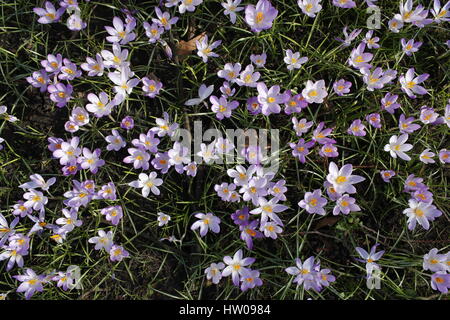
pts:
pixel 117 253
pixel 294 103
pixel 444 156
pixel 440 281
pixel 304 273
pixel 372 42
pixel 342 87
pixel 241 217
pixel 301 149
pixel 410 83
pixel 346 4
pixel 406 125
pixel 253 105
pixel 386 175
pixel 360 59
pixel 374 120
pixel 91 160
pixel 357 128
pixel 107 192
pixel 49 14
pixel 39 79
pixel 413 183
pixel 138 157
pixel 320 134
pixel 147 142
pixel 60 93
pixel 250 279
pixel 331 192
pixel 113 214
pixel 71 168
pixel 127 123
pixel 260 17
pixel 53 63
pixel 248 232
pixel 31 282
pixel 428 115
pixel 423 195
pixel 389 103
pixel 345 205
pixel 410 47
pixel 348 37
pixel 314 202
pixel 151 87
pixel 69 71
pixel 329 150
pixel 161 162
pixel 270 99
pixel 236 266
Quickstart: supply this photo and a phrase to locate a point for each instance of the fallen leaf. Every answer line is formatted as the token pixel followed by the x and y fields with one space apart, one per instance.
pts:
pixel 185 48
pixel 326 222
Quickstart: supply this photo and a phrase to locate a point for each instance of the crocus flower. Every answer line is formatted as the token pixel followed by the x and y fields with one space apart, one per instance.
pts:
pixel 241 216
pixel 75 23
pixel 313 202
pixel 342 179
pixel 331 192
pixel 153 31
pixel 410 47
pixel 434 261
pixel 191 169
pixel 270 99
pixel 49 14
pixel 427 157
pixel 349 37
pixel 100 105
pixel 345 205
pixel 206 222
pixel 214 272
pixel 151 87
pixel 372 42
pixel 315 92
pixel 374 120
pixel 360 59
pixel 124 83
pixel 113 214
pixel 422 213
pixel 121 33
pixel 397 146
pixel 444 156
pixel 117 253
pixel 236 266
pixel 115 141
pixel 259 59
pixel 147 142
pixel 69 71
pixel 188 5
pixel 103 240
pixel 138 157
pixel 346 4
pixel 164 127
pixel 115 59
pixel 6 229
pixel 293 60
pixel 304 273
pixel 440 281
pixel 207 152
pixel 407 13
pixel 38 182
pixel 39 79
pixel 277 189
pixel 70 220
pixel 205 50
pixel 395 25
pixel 269 209
pixel 294 103
pixel 369 258
pixel 413 183
pixel 35 199
pixel 386 175
pixel 310 7
pixel 53 63
pixel 249 232
pixel 79 116
pixel 301 149
pixel 60 93
pixel 127 123
pixel 231 8
pixel 301 126
pixel 164 19
pixel 107 192
pixel 222 107
pixel 148 183
pixel 31 282
pixel 441 14
pixel 260 17
pixel 341 87
pixel 161 162
pixel 410 83
pixel 357 128
pixel 389 104
pixel 428 115
pixel 377 78
pixel 250 279
pixel 271 229
pixel 320 134
pixel 163 219
pixel 203 93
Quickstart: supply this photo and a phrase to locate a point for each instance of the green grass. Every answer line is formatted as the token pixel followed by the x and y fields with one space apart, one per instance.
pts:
pixel 160 269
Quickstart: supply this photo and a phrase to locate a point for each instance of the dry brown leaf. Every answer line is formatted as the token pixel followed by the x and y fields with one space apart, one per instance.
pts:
pixel 326 222
pixel 185 48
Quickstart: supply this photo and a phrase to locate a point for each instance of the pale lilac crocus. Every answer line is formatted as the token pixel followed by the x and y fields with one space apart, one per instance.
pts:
pixel 231 8
pixel 104 240
pixel 39 79
pixel 188 5
pixel 301 126
pixel 440 281
pixel 420 212
pixel 343 179
pixel 214 272
pixel 151 88
pixel 441 14
pixel 270 99
pixel 342 87
pixel 117 253
pixel 70 219
pixel 360 59
pixel 250 279
pixel 206 222
pixel 226 89
pixel 60 93
pixel 115 59
pixel 410 83
pixel 31 282
pixel 164 19
pixel 259 60
pixel 357 128
pixel 249 232
pixel 444 156
pixel 345 205
pixel 69 71
pixel 313 202
pixel 427 157
pixel 320 134
pixel 248 77
pixel 100 105
pixel 164 127
pixel 91 160
pixel 293 60
pixel 205 49
pixel 397 146
pixel 153 31
pixel 115 141
pixel 389 103
pixel 369 258
pixel 386 175
pixel 410 46
pixel 113 214
pixel 230 72
pixel 123 80
pixel 423 195
pixel 138 157
pixel 428 115
pixel 37 181
pixel 107 192
pixel 348 37
pixel 203 93
pixel 315 92
pixel 49 14
pixel 269 209
pixel 236 266
pixel 121 33
pixel 222 107
pixel 310 7
pixel 303 271
pixel 371 41
pixel 329 150
pixel 294 103
pixel 147 142
pixel 374 120
pixel 346 4
pixel 148 183
pixel 260 17
pixel 434 261
pixel 127 123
